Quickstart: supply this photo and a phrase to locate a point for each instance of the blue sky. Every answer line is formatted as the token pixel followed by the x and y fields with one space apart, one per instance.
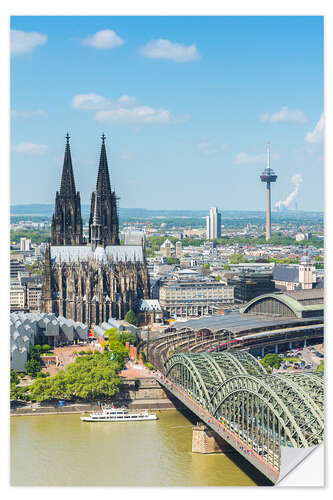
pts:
pixel 187 105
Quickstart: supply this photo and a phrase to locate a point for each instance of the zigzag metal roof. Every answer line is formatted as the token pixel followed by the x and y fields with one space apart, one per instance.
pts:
pixel 235 322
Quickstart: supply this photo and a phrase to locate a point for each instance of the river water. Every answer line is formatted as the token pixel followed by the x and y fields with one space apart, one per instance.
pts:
pixel 60 450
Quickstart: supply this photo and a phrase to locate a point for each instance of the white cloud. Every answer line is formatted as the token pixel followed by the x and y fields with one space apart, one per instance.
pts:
pixel 22 42
pixel 208 148
pixel 30 149
pixel 104 39
pixel 126 100
pixel 126 155
pixel 317 135
pixel 164 49
pixel 139 114
pixel 124 110
pixel 284 115
pixel 251 159
pixel 28 113
pixel 90 101
pixel 95 101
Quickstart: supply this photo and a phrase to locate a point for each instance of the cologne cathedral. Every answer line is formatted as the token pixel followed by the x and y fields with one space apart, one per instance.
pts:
pixel 94 281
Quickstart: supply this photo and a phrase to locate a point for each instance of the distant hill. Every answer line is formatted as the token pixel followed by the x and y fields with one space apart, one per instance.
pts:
pixel 46 210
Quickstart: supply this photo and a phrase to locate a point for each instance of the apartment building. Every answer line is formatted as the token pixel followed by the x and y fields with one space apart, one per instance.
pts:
pixel 17 297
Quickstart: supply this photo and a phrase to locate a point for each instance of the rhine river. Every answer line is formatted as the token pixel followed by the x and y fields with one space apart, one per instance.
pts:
pixel 60 450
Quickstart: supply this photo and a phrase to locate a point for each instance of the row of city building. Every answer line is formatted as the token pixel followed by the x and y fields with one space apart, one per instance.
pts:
pixel 26 286
pixel 182 291
pixel 192 292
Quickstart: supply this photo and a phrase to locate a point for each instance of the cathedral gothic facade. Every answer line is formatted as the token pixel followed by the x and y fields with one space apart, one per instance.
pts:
pixel 94 281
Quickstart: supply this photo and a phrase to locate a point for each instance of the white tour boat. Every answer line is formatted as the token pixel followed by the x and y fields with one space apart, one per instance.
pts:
pixel 118 415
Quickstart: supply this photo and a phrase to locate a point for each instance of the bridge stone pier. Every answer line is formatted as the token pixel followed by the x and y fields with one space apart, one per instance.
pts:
pixel 205 440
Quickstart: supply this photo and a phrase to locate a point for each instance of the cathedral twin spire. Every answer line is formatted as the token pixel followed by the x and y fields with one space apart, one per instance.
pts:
pixel 103 222
pixel 66 228
pixel 67 187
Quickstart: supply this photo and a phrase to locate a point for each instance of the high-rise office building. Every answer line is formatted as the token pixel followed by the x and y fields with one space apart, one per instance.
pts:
pixel 213 224
pixel 25 244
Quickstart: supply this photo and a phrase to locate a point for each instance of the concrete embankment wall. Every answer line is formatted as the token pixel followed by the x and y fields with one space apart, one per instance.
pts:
pixel 144 393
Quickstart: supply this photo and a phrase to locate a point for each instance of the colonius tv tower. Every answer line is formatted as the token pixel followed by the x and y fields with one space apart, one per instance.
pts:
pixel 268 176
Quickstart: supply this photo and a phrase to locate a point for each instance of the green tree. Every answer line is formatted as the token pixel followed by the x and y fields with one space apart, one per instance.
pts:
pixel 272 361
pixel 237 258
pixel 127 336
pixel 131 318
pixel 89 377
pixel 320 368
pixel 46 348
pixel 14 380
pixel 172 261
pixel 119 352
pixel 226 267
pixel 205 266
pixel 32 367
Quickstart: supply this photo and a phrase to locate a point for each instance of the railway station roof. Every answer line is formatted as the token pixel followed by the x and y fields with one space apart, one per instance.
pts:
pixel 236 323
pixel 298 303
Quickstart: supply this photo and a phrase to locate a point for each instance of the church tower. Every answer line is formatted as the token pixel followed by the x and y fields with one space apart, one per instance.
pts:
pixel 103 222
pixel 66 228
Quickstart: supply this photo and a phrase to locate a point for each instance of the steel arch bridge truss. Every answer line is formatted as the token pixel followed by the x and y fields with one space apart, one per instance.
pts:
pixel 264 411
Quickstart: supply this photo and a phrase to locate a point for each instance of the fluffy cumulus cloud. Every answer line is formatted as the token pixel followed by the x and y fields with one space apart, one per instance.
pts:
pixel 95 101
pixel 28 113
pixel 126 100
pixel 22 42
pixel 317 135
pixel 252 159
pixel 104 39
pixel 123 110
pixel 30 149
pixel 164 49
pixel 285 115
pixel 138 114
pixel 90 101
pixel 208 148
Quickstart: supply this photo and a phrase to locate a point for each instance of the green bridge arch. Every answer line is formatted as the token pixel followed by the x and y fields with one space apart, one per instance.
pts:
pixel 266 411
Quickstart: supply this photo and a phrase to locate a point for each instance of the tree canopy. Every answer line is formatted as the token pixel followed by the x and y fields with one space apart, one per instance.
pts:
pixel 172 260
pixel 131 318
pixel 271 361
pixel 89 377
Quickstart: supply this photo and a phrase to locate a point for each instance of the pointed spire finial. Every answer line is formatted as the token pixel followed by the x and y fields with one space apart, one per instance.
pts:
pixel 103 138
pixel 67 138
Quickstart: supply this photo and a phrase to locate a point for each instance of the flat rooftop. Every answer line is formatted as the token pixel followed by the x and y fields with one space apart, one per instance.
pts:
pixel 237 323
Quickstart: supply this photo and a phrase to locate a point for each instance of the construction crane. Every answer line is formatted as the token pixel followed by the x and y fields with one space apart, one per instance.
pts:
pixel 145 224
